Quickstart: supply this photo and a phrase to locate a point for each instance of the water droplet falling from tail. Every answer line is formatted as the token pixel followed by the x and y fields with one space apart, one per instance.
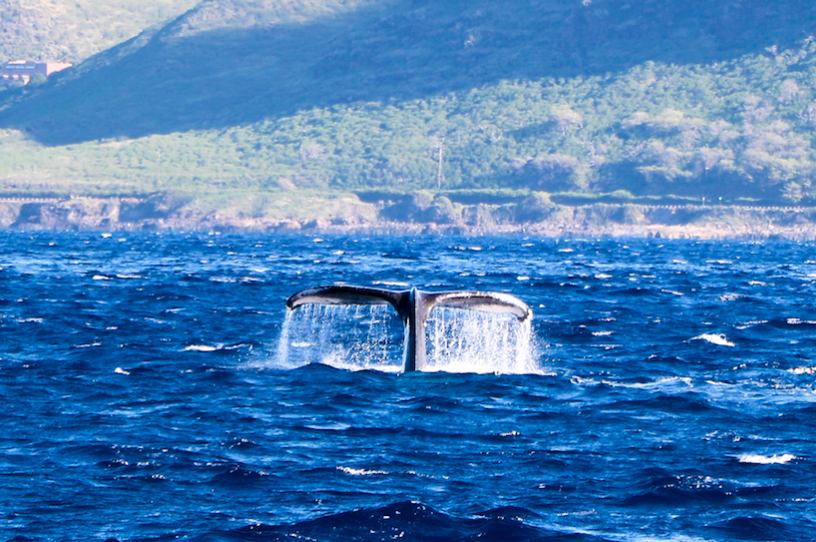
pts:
pixel 351 337
pixel 478 342
pixel 358 337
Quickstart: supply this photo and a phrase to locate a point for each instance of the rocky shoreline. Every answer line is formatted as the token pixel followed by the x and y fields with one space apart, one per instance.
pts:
pixel 418 216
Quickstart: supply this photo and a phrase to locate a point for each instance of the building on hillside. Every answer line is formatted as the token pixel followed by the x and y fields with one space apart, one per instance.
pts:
pixel 24 70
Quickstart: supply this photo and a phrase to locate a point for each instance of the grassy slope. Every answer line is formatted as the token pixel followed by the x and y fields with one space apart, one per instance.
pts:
pixel 691 98
pixel 56 30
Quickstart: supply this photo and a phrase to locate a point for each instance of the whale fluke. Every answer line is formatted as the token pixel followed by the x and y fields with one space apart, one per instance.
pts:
pixel 414 306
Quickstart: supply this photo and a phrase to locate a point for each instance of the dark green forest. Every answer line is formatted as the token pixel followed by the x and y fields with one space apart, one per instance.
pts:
pixel 636 98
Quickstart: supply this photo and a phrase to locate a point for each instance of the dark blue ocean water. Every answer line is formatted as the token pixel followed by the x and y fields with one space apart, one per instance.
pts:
pixel 670 394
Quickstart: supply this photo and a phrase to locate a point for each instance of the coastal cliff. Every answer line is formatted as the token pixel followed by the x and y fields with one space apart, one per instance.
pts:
pixel 416 214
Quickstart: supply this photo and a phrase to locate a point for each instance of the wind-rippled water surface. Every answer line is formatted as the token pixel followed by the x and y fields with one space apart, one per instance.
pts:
pixel 669 396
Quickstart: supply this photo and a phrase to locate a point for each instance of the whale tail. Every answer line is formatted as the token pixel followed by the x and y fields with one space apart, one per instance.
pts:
pixel 414 306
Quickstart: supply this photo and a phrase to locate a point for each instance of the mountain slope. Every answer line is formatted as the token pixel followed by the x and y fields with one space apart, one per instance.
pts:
pixel 54 30
pixel 650 96
pixel 231 62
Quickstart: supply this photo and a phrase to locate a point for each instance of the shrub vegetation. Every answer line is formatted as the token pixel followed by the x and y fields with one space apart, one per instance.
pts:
pixel 642 99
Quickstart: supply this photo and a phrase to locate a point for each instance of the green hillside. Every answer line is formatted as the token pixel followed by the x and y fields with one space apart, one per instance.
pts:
pixel 653 97
pixel 59 31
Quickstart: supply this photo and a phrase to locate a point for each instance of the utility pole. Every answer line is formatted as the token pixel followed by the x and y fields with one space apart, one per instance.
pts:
pixel 439 175
pixel 158 168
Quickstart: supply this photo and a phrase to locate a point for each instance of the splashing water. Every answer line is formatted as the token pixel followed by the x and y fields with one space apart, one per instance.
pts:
pixel 462 341
pixel 359 337
pixel 354 337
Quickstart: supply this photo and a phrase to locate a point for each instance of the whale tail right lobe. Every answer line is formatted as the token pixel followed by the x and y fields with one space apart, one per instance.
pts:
pixel 414 306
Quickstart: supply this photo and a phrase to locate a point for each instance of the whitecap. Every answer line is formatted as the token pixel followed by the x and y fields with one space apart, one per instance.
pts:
pixel 659 383
pixel 672 292
pixel 30 321
pixel 803 370
pixel 101 277
pixel 714 338
pixel 121 371
pixel 729 297
pixel 360 472
pixel 766 460
pixel 798 321
pixel 338 361
pixel 201 348
pixel 751 323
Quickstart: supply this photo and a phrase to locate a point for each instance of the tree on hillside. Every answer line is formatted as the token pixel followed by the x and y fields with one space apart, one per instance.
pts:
pixel 552 173
pixel 565 118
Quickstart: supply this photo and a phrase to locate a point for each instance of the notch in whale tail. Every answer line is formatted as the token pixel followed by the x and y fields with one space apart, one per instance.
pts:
pixel 414 306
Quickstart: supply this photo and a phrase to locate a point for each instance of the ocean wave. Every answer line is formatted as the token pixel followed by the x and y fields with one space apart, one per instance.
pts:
pixel 412 520
pixel 240 476
pixel 761 528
